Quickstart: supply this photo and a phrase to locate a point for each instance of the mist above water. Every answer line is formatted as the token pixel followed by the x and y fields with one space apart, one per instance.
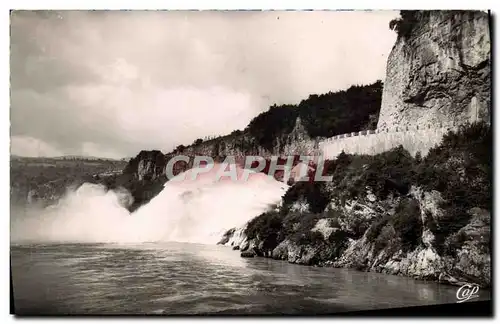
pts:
pixel 186 210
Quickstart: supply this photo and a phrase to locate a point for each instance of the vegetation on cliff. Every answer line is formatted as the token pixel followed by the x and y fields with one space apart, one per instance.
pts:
pixel 405 24
pixel 382 199
pixel 325 115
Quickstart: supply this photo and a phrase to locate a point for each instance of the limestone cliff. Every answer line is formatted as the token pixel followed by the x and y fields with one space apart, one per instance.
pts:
pixel 427 218
pixel 438 70
pixel 297 142
pixel 147 165
pixel 150 165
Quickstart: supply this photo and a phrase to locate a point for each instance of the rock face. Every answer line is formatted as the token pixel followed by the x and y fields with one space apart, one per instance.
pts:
pixel 248 254
pixel 470 261
pixel 150 165
pixel 147 165
pixel 439 70
pixel 297 142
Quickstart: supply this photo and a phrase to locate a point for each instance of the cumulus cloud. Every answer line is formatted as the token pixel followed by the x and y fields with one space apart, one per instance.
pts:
pixel 130 80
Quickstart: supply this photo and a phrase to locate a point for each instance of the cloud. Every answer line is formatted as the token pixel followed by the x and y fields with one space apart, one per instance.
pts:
pixel 132 80
pixel 32 147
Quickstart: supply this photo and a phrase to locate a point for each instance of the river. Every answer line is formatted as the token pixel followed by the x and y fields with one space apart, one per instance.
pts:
pixel 187 278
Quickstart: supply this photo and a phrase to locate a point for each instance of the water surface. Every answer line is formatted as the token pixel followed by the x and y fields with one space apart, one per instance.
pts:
pixel 183 278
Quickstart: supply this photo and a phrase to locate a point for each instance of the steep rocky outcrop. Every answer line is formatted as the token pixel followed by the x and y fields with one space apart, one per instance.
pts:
pixel 150 165
pixel 297 142
pixel 467 260
pixel 390 213
pixel 439 69
pixel 147 165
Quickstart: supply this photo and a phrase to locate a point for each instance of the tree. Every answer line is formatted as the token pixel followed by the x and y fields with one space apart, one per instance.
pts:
pixel 403 26
pixel 180 148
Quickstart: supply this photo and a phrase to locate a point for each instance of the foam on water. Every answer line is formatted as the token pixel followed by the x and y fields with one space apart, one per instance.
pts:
pixel 196 211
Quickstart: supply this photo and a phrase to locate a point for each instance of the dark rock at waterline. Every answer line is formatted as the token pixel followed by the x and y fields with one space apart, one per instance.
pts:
pixel 248 254
pixel 226 236
pixel 236 247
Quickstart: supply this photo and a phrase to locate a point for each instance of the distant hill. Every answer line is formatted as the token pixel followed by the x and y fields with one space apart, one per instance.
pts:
pixel 80 157
pixel 46 179
pixel 67 157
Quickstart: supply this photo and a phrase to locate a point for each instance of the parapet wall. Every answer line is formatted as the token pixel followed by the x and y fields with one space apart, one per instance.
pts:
pixel 370 142
pixel 413 138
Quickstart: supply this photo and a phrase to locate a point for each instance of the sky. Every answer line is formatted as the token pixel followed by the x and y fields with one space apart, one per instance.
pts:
pixel 112 83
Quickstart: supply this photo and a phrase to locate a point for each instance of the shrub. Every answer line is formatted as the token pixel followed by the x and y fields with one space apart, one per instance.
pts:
pixel 264 225
pixel 404 25
pixel 374 230
pixel 407 223
pixel 455 243
pixel 341 112
pixel 179 149
pixel 314 193
pixel 305 221
pixel 393 172
pixel 338 241
pixel 325 115
pixel 384 238
pixel 333 215
pixel 460 168
pixel 385 173
pixel 338 237
pixel 359 227
pixel 277 122
pixel 310 238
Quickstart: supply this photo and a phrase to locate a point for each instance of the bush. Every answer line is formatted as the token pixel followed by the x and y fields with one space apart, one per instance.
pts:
pixel 470 148
pixel 407 223
pixel 359 227
pixel 305 221
pixel 386 173
pixel 455 243
pixel 277 122
pixel 338 241
pixel 265 225
pixel 341 112
pixel 325 115
pixel 384 238
pixel 374 230
pixel 179 149
pixel 460 168
pixel 310 238
pixel 338 237
pixel 314 193
pixel 334 216
pixel 404 25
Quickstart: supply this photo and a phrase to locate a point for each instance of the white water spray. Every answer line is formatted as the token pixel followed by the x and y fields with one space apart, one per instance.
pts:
pixel 197 211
